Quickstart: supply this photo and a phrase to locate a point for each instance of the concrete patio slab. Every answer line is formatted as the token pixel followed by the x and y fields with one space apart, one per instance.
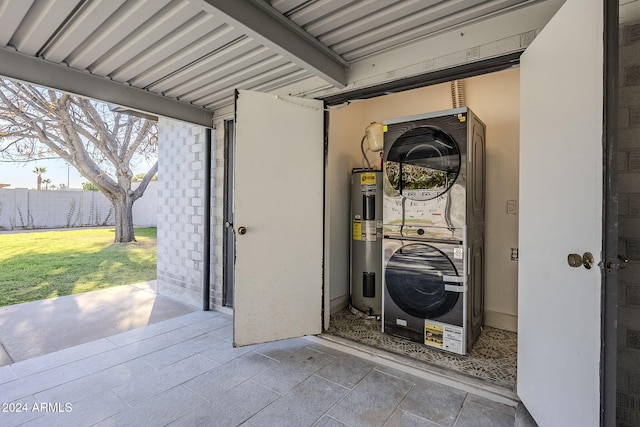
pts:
pixel 40 327
pixel 184 371
pixel 128 356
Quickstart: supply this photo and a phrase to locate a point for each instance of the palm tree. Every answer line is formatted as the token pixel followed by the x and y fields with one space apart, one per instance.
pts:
pixel 46 183
pixel 39 171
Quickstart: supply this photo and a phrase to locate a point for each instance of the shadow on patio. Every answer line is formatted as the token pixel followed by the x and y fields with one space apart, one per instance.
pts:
pixel 35 328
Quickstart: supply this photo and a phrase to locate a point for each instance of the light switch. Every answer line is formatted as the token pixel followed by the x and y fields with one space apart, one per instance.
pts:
pixel 512 207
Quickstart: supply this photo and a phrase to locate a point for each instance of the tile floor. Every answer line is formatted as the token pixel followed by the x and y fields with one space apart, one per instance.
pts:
pixel 185 372
pixel 492 358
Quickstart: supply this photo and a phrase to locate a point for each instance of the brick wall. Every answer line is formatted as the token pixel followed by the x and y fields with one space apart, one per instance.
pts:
pixel 628 396
pixel 180 210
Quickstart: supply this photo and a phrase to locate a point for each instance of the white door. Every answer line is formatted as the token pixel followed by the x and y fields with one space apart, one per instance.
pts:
pixel 559 318
pixel 278 215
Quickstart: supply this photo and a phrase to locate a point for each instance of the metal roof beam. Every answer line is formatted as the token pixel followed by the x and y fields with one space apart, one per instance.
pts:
pixel 17 66
pixel 267 26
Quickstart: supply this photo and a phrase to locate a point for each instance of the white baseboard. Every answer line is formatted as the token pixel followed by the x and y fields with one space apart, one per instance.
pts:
pixel 339 303
pixel 499 320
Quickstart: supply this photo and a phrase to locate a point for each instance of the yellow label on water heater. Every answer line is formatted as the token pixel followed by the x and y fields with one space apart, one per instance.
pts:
pixel 357 229
pixel 367 178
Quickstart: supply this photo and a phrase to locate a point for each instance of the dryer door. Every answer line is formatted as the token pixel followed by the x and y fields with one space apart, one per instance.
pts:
pixel 416 279
pixel 423 163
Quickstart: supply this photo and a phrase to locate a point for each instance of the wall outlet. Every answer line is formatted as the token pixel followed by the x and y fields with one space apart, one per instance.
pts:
pixel 514 254
pixel 512 207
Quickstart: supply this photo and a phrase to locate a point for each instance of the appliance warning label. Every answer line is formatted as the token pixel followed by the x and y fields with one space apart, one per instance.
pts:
pixel 369 231
pixel 364 230
pixel 433 335
pixel 368 183
pixel 357 229
pixel 446 337
pixel 453 339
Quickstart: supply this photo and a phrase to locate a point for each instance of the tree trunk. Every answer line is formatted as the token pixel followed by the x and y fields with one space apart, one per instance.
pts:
pixel 123 211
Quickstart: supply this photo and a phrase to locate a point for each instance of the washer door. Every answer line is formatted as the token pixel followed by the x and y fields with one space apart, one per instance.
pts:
pixel 414 280
pixel 423 163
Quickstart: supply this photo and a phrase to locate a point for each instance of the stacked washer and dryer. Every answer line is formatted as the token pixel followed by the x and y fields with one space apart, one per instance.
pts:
pixel 433 228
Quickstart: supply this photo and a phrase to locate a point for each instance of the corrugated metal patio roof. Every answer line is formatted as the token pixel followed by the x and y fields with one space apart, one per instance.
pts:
pixel 198 52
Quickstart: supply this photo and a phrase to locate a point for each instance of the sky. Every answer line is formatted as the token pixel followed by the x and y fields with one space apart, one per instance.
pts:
pixel 21 175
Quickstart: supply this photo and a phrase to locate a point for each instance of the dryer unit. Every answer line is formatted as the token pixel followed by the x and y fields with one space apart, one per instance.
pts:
pixel 434 197
pixel 434 171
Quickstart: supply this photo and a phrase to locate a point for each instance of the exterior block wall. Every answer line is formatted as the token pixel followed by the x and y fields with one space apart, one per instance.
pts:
pixel 628 396
pixel 33 209
pixel 217 210
pixel 24 209
pixel 181 210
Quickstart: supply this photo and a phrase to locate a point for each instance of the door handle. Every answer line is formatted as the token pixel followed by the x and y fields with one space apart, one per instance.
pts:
pixel 586 260
pixel 242 230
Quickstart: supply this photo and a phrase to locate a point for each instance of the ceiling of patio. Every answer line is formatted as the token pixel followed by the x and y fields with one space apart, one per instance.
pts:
pixel 198 52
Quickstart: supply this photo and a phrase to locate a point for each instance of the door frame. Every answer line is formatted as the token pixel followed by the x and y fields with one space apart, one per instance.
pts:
pixel 228 235
pixel 608 341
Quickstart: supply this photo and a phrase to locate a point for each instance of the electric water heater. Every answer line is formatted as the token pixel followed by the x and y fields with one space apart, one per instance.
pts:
pixel 366 242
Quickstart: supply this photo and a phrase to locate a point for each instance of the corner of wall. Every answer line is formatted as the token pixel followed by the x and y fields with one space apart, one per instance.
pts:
pixel 217 210
pixel 180 210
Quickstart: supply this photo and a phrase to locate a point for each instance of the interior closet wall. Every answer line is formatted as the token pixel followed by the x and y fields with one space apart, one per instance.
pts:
pixel 495 98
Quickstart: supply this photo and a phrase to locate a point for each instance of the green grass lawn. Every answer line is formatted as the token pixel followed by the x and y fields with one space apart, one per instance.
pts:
pixel 47 264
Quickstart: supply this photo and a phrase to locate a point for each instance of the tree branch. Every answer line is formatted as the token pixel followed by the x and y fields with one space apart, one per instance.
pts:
pixel 145 182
